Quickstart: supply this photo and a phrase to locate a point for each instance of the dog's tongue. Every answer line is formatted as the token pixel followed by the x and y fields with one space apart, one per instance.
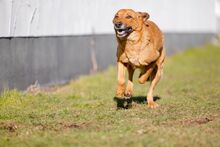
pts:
pixel 121 32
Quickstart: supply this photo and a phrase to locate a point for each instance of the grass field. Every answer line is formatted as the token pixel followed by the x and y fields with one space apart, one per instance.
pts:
pixel 84 112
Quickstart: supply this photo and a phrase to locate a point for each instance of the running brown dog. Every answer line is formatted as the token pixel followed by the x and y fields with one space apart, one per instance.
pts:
pixel 140 45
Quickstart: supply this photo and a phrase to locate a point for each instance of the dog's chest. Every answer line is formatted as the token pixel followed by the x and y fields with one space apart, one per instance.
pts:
pixel 133 55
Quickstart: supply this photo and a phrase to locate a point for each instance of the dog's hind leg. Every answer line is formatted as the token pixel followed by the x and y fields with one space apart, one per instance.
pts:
pixel 145 73
pixel 154 82
pixel 155 79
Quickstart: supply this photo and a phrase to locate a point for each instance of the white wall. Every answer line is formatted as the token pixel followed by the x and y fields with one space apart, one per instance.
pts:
pixel 76 17
pixel 217 12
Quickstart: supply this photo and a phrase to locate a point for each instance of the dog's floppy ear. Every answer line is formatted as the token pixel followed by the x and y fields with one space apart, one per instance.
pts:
pixel 144 15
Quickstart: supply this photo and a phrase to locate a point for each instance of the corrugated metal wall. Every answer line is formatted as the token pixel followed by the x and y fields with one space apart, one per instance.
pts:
pixel 76 17
pixel 58 58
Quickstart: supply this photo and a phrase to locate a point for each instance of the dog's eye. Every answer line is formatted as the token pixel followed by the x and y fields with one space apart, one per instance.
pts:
pixel 116 16
pixel 128 17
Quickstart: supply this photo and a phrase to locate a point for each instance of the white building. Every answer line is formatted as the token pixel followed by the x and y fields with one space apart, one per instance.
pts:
pixel 79 17
pixel 217 12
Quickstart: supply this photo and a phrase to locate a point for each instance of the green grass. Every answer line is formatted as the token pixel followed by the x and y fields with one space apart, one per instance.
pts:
pixel 83 113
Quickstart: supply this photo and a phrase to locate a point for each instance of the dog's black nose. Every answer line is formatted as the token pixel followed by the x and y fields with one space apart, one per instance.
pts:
pixel 118 25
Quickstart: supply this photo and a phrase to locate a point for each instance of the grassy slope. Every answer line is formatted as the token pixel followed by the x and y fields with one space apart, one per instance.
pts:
pixel 84 113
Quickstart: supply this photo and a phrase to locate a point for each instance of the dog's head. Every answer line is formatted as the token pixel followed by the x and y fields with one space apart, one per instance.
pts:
pixel 127 21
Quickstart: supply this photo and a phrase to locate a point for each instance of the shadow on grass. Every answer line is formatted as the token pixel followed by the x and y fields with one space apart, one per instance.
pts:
pixel 126 103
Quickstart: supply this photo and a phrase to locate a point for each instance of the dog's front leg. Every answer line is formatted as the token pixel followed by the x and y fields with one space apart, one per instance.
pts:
pixel 129 89
pixel 120 92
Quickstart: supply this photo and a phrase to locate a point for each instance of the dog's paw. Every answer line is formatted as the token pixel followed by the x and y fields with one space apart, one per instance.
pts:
pixel 120 94
pixel 127 95
pixel 152 105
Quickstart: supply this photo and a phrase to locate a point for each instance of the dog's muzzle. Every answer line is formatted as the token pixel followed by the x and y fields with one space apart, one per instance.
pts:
pixel 122 30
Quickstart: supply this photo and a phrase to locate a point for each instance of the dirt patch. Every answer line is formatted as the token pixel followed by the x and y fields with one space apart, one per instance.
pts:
pixel 75 125
pixel 198 121
pixel 63 126
pixel 190 122
pixel 10 126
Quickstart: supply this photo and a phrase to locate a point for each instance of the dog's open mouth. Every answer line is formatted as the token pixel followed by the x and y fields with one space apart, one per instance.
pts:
pixel 123 32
